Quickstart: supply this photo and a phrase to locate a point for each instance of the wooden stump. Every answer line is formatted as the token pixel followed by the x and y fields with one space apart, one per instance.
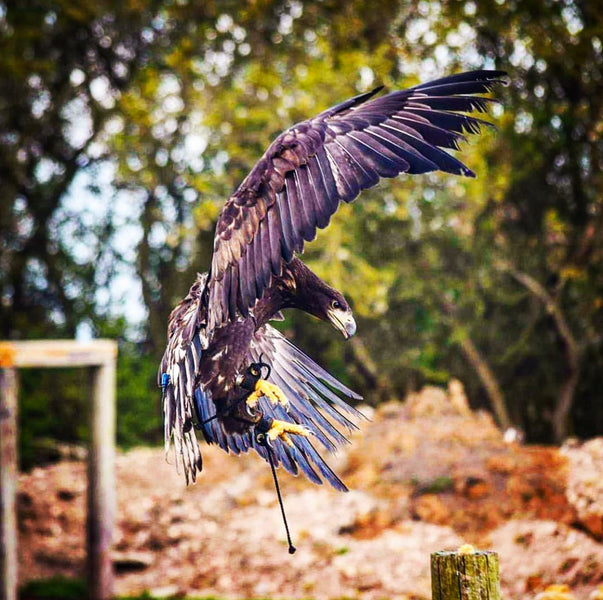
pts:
pixel 465 575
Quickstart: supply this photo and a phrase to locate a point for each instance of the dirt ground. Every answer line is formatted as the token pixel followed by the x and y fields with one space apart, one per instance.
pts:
pixel 425 475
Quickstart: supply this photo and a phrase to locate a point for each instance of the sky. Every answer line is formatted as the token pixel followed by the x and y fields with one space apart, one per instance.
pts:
pixel 123 294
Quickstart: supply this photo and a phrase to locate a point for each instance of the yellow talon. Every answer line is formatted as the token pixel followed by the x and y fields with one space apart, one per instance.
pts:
pixel 282 428
pixel 271 391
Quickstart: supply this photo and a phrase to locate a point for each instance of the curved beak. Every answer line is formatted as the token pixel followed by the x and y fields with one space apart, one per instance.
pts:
pixel 343 321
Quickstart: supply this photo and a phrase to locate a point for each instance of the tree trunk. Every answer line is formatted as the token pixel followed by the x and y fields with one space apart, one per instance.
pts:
pixel 565 400
pixel 488 380
pixel 564 404
pixel 484 372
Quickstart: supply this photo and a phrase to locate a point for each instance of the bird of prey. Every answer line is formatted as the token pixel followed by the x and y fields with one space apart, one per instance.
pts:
pixel 219 336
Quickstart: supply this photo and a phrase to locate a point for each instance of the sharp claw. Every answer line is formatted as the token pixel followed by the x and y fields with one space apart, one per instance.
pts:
pixel 282 429
pixel 252 400
pixel 270 391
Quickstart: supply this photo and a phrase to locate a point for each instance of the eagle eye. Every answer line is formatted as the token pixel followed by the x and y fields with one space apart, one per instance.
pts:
pixel 336 304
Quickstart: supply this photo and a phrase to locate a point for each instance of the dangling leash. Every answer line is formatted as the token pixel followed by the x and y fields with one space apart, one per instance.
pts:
pixel 262 439
pixel 247 381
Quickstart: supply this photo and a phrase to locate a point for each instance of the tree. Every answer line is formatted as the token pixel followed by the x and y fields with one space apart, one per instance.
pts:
pixel 552 205
pixel 61 66
pixel 496 281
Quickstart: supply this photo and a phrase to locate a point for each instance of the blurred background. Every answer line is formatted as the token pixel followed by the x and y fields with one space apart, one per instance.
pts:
pixel 125 125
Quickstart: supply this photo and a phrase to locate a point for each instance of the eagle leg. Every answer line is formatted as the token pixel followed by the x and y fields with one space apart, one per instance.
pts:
pixel 281 429
pixel 271 391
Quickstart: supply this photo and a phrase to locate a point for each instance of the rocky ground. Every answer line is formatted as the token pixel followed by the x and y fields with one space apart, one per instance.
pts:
pixel 426 475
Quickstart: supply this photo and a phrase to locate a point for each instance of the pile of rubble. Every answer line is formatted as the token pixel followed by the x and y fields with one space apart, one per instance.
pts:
pixel 425 475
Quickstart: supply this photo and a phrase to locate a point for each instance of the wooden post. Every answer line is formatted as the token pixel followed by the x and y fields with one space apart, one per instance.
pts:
pixel 101 484
pixel 9 559
pixel 465 575
pixel 101 355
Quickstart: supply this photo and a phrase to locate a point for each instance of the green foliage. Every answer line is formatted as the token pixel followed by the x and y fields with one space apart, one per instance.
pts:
pixel 54 588
pixel 53 405
pixel 138 400
pixel 438 486
pixel 59 587
pixel 194 93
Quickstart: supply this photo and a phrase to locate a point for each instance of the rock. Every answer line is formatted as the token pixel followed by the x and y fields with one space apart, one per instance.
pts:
pixel 429 401
pixel 585 483
pixel 596 594
pixel 501 463
pixel 536 554
pixel 72 452
pixel 66 495
pixel 430 508
pixel 458 398
pixel 224 536
pixel 475 488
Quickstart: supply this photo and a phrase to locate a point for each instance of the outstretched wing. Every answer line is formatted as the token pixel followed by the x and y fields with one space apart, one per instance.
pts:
pixel 317 400
pixel 177 378
pixel 305 173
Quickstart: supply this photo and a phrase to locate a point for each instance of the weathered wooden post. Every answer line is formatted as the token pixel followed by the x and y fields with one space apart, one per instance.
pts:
pixel 101 483
pixel 8 482
pixel 466 574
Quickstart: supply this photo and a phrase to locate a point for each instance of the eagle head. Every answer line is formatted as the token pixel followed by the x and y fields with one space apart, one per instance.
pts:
pixel 339 314
pixel 306 291
pixel 329 305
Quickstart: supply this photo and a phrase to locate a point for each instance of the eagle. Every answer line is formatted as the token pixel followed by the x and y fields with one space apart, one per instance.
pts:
pixel 226 370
